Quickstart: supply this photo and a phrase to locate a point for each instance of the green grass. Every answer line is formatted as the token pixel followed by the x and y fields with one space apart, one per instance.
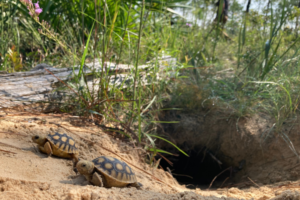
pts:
pixel 255 72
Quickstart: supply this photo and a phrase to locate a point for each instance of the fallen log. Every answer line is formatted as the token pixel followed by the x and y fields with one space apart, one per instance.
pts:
pixel 38 85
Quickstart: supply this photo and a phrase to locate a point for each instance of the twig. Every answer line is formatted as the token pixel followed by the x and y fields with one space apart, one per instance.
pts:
pixel 253 182
pixel 191 185
pixel 224 181
pixel 8 151
pixel 167 160
pixel 37 114
pixel 214 157
pixel 170 172
pixel 217 177
pixel 183 175
pixel 10 146
pixel 13 133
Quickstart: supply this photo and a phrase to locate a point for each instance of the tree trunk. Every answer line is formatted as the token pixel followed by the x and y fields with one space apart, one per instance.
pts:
pixel 248 6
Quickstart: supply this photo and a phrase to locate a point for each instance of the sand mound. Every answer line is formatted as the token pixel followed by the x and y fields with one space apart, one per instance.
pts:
pixel 27 174
pixel 249 147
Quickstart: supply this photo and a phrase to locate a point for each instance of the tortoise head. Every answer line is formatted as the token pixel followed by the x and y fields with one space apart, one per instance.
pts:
pixel 85 167
pixel 38 139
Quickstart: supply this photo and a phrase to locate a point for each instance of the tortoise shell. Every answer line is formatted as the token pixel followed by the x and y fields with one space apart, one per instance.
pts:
pixel 62 144
pixel 115 172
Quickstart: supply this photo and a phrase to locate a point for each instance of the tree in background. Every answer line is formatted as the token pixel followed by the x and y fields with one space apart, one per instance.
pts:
pixel 222 12
pixel 234 16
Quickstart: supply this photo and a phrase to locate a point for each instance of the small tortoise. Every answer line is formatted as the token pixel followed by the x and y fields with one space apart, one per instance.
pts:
pixel 58 144
pixel 108 172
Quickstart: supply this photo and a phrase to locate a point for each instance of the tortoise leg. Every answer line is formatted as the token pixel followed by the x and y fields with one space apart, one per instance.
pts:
pixel 48 149
pixel 137 185
pixel 75 161
pixel 97 180
pixel 41 148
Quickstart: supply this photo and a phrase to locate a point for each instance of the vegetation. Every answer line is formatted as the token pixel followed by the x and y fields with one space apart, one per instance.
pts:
pixel 253 69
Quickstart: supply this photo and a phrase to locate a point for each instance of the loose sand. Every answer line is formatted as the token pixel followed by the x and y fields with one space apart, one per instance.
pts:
pixel 27 174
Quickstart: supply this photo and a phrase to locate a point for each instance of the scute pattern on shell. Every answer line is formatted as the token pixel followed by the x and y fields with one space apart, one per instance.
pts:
pixel 115 168
pixel 63 142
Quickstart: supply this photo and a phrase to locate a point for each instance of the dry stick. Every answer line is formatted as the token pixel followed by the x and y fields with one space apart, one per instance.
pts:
pixel 27 114
pixel 224 182
pixel 182 175
pixel 19 113
pixel 8 151
pixel 217 176
pixel 168 169
pixel 253 182
pixel 11 146
pixel 13 133
pixel 167 160
pixel 53 115
pixel 43 115
pixel 157 179
pixel 66 85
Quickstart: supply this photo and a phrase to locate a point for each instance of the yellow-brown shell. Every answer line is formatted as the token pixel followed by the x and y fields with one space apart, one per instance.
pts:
pixel 62 144
pixel 115 171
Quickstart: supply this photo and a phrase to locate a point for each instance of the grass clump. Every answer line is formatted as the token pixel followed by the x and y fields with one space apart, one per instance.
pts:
pixel 104 32
pixel 253 69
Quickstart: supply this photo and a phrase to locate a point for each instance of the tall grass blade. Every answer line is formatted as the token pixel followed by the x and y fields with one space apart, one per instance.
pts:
pixel 84 53
pixel 169 143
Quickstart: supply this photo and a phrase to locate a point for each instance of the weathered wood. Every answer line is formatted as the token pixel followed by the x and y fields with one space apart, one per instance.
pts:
pixel 24 88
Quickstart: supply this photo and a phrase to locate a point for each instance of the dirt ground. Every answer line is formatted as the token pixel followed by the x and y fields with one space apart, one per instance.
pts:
pixel 27 174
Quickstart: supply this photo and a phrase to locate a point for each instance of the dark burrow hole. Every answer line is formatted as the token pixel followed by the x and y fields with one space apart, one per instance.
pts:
pixel 199 169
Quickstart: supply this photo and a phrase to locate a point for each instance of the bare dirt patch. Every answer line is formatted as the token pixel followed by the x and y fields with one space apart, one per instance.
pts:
pixel 28 174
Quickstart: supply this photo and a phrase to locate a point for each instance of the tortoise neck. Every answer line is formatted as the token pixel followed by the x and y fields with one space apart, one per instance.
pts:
pixel 42 141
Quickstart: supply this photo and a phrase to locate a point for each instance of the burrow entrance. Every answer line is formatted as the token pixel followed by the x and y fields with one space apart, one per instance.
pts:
pixel 202 169
pixel 216 143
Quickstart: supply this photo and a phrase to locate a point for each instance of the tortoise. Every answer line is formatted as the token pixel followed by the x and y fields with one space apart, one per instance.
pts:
pixel 58 144
pixel 106 171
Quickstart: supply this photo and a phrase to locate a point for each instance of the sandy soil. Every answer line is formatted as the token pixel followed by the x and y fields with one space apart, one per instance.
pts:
pixel 269 156
pixel 27 174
